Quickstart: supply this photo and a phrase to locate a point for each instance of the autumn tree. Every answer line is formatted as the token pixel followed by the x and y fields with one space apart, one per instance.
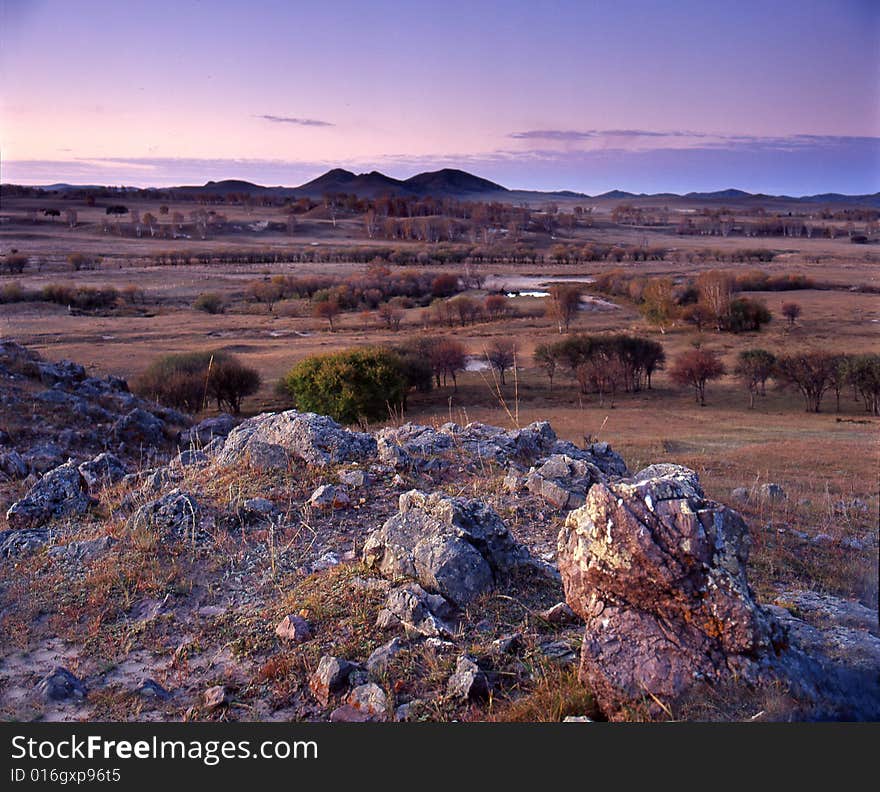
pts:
pixel 327 309
pixel 448 357
pixel 696 368
pixel 658 302
pixel 547 358
pixel 811 373
pixel 564 303
pixel 716 293
pixel 754 367
pixel 791 311
pixel 502 356
pixel 496 306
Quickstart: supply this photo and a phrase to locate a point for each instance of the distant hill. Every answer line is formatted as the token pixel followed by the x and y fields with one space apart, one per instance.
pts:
pixel 451 182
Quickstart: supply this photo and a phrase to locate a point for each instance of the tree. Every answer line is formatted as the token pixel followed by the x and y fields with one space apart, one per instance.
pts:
pixel 53 213
pixel 564 303
pixel 716 293
pixel 327 309
pixel 364 384
pixel 390 315
pixel 658 302
pixel 695 368
pixel 754 367
pixel 496 305
pixel 811 373
pixel 863 373
pixel 746 315
pixel 546 358
pixel 448 357
pixel 791 311
pixel 70 217
pixel 697 315
pixel 502 356
pixel 229 382
pixel 210 302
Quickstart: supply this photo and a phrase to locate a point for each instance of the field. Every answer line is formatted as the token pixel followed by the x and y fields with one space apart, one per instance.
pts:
pixel 823 536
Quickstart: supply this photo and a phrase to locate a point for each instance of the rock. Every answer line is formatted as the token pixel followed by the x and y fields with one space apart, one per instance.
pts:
pixel 458 548
pixel 740 494
pixel 559 652
pixel 514 481
pixel 104 469
pixel 609 462
pixel 159 479
pixel 348 714
pixel 771 491
pixel 560 613
pixel 173 516
pixel 87 550
pixel 151 689
pixel 356 479
pixel 190 458
pixel 328 496
pixel 824 610
pixel 13 465
pixel 329 677
pixel 214 697
pixel 139 427
pixel 577 719
pixel 44 457
pixel 314 439
pixel 326 560
pixel 506 644
pixel 61 685
pixel 379 658
pixel 202 434
pixel 254 509
pixel 418 612
pixel 63 372
pixel 293 628
pixel 20 541
pixel 391 454
pixel 59 493
pixel 468 681
pixel 658 574
pixel 563 481
pixel 408 711
pixel 369 699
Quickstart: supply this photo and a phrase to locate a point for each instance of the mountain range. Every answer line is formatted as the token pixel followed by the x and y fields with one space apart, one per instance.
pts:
pixel 450 182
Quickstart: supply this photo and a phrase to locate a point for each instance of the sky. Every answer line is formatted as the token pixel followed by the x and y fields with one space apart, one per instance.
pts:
pixel 773 96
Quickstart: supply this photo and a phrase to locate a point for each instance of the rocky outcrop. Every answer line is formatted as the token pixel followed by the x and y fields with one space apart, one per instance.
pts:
pixel 139 427
pixel 61 492
pixel 203 433
pixel 455 547
pixel 658 574
pixel 314 439
pixel 104 469
pixel 418 613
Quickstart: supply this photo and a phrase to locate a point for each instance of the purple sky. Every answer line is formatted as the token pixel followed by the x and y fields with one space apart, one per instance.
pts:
pixel 778 96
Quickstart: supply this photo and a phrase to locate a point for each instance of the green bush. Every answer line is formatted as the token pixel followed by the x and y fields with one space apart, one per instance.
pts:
pixel 188 381
pixel 357 385
pixel 210 302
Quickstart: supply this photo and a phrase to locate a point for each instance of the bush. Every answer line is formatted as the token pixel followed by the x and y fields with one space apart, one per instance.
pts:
pixel 357 385
pixel 187 381
pixel 210 302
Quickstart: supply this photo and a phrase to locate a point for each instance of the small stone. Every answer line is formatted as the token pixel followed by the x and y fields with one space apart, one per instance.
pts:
pixel 560 613
pixel 356 479
pixel 151 689
pixel 507 644
pixel 378 660
pixel 407 712
pixel 369 699
pixel 328 496
pixel 348 714
pixel 215 697
pixel 772 491
pixel 740 494
pixel 293 628
pixel 577 719
pixel 468 681
pixel 559 652
pixel 61 685
pixel 329 677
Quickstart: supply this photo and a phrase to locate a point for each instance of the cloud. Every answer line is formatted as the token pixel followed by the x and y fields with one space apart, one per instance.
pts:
pixel 306 122
pixel 554 134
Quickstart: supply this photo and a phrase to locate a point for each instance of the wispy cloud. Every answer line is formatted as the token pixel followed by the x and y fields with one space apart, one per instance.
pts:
pixel 306 122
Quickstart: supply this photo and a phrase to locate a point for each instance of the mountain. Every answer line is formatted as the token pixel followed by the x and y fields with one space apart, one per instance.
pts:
pixel 365 185
pixel 450 181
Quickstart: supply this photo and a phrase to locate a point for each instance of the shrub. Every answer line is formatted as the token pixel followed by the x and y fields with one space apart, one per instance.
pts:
pixel 187 381
pixel 15 263
pixel 812 373
pixel 754 367
pixel 696 368
pixel 357 385
pixel 746 315
pixel 210 302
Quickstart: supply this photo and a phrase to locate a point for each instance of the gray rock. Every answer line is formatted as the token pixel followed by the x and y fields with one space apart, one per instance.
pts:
pixel 506 644
pixel 87 550
pixel 560 613
pixel 315 439
pixel 104 469
pixel 202 434
pixel 560 652
pixel 257 509
pixel 173 516
pixel 416 611
pixel 377 662
pixel 369 699
pixel 468 681
pixel 13 465
pixel 740 494
pixel 151 689
pixel 408 712
pixel 59 493
pixel 329 677
pixel 43 457
pixel 190 458
pixel 356 479
pixel 63 372
pixel 20 541
pixel 771 491
pixel 139 427
pixel 458 548
pixel 563 481
pixel 61 685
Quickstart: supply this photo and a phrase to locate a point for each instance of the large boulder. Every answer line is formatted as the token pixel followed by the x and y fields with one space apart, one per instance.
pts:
pixel 59 493
pixel 12 465
pixel 210 429
pixel 658 574
pixel 314 439
pixel 455 547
